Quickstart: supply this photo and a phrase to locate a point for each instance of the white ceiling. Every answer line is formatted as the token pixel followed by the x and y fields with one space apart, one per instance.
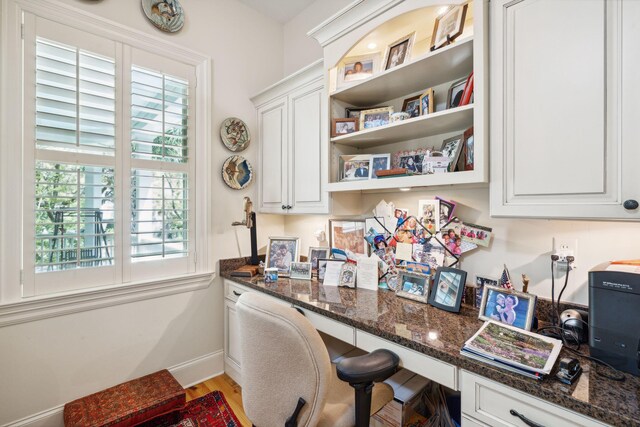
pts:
pixel 280 10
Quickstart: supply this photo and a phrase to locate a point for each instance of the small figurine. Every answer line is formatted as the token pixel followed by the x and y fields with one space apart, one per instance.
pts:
pixel 525 283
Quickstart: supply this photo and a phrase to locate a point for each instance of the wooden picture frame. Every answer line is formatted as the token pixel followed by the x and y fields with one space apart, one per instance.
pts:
pixel 354 112
pixel 451 148
pixel 348 126
pixel 448 289
pixel 490 307
pixel 348 72
pixel 411 106
pixel 427 101
pixel 399 51
pixel 281 258
pixel 455 92
pixel 375 117
pixel 413 286
pixel 448 26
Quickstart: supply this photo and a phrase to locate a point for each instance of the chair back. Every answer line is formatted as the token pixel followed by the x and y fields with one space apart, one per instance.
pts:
pixel 282 359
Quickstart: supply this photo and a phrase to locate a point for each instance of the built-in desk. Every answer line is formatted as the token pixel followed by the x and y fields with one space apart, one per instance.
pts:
pixel 428 341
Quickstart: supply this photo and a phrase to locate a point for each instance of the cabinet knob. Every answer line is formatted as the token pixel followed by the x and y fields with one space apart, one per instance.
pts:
pixel 630 204
pixel 284 207
pixel 524 419
pixel 288 206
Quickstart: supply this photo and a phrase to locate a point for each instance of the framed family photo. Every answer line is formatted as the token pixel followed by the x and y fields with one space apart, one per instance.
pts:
pixel 348 235
pixel 411 106
pixel 413 285
pixel 481 282
pixel 399 51
pixel 300 270
pixel 375 117
pixel 448 289
pixel 316 254
pixel 343 126
pixel 355 167
pixel 281 252
pixel 508 306
pixel 448 26
pixel 426 102
pixel 358 68
pixel 354 112
pixel 379 162
pixel 454 95
pixel 451 148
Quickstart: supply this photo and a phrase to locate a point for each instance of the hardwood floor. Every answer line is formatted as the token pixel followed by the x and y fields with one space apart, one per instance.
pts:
pixel 231 390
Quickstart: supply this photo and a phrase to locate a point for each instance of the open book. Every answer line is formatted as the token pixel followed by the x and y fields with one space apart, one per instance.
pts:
pixel 514 349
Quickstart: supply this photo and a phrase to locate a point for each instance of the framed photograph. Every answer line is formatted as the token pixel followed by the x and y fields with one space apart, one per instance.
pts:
pixel 281 252
pixel 300 270
pixel 348 275
pixel 448 26
pixel 446 210
pixel 322 268
pixel 317 253
pixel 375 117
pixel 508 306
pixel 399 51
pixel 451 148
pixel 480 283
pixel 355 167
pixel 348 235
pixel 427 102
pixel 429 214
pixel 467 152
pixel 413 285
pixel 379 162
pixel 411 106
pixel 454 96
pixel 343 126
pixel 354 112
pixel 412 160
pixel 358 68
pixel 448 288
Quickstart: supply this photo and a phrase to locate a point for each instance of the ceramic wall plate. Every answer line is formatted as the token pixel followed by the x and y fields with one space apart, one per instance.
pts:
pixel 237 172
pixel 235 134
pixel 164 14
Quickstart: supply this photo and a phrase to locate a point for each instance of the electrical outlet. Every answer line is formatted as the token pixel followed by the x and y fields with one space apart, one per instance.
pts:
pixel 565 248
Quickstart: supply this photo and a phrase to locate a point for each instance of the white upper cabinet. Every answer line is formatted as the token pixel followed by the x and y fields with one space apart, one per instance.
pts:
pixel 293 142
pixel 564 96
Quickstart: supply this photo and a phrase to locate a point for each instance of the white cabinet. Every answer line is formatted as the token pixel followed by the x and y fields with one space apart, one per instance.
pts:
pixel 564 96
pixel 488 402
pixel 292 135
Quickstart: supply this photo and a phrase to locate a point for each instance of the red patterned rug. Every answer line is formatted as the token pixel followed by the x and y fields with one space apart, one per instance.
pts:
pixel 210 410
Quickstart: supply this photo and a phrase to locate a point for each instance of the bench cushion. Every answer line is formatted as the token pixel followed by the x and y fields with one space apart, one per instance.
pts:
pixel 127 404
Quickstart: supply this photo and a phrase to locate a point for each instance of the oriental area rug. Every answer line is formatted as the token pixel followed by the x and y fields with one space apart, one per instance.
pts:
pixel 210 410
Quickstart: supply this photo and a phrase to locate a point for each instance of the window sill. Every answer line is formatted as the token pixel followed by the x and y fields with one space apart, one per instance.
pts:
pixel 38 308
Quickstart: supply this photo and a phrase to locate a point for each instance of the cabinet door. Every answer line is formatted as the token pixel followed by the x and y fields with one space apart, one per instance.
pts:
pixel 272 169
pixel 556 79
pixel 308 149
pixel 231 335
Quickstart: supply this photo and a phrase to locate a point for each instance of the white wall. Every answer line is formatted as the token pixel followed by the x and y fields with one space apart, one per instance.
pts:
pixel 524 245
pixel 301 50
pixel 47 363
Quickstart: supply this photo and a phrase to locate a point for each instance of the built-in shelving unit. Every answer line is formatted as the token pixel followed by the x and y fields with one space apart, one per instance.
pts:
pixel 425 69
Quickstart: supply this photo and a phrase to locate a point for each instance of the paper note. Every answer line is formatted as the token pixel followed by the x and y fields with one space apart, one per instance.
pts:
pixel 367 273
pixel 404 251
pixel 332 273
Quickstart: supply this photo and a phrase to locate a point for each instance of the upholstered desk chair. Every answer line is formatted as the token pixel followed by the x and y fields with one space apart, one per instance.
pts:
pixel 284 361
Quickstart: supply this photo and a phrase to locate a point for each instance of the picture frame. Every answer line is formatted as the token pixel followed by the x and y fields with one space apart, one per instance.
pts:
pixel 317 253
pixel 411 106
pixel 467 152
pixel 375 117
pixel 354 112
pixel 379 162
pixel 448 289
pixel 413 286
pixel 281 252
pixel 355 167
pixel 399 51
pixel 300 270
pixel 348 234
pixel 481 282
pixel 517 308
pixel 448 26
pixel 348 275
pixel 454 95
pixel 451 148
pixel 322 268
pixel 341 127
pixel 427 102
pixel 356 68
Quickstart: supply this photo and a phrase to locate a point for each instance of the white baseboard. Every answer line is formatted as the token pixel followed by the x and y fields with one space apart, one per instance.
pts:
pixel 187 373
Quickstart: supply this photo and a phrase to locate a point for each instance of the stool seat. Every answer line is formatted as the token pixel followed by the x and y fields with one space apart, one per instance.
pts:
pixel 127 404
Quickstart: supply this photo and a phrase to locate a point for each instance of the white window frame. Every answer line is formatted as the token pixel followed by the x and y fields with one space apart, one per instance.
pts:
pixel 14 307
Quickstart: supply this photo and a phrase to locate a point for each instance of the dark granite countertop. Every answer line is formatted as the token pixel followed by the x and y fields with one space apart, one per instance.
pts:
pixel 441 334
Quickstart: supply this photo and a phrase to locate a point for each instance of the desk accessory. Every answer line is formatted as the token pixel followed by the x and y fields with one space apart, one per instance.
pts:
pixel 270 275
pixel 250 222
pixel 245 271
pixel 569 370
pixel 348 275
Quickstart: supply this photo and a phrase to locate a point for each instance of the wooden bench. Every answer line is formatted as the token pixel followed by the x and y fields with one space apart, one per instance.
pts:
pixel 127 404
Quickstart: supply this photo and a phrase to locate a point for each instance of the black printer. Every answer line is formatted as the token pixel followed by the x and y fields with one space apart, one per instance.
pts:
pixel 614 315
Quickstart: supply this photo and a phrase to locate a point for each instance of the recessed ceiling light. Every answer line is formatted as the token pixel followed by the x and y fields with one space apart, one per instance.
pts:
pixel 372 45
pixel 404 188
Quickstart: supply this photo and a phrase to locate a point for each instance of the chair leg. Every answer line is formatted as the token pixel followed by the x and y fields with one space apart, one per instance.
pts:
pixel 363 403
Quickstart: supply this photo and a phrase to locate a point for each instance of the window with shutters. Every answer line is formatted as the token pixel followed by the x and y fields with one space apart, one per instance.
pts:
pixel 109 140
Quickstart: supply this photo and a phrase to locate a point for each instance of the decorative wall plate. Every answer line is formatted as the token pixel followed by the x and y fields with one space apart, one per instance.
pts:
pixel 235 134
pixel 167 15
pixel 237 172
